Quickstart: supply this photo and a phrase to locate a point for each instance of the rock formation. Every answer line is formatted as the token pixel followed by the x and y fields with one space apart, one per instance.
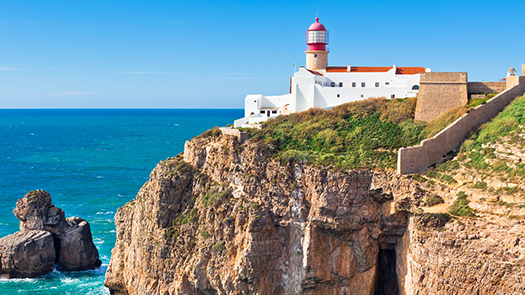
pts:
pixel 27 254
pixel 77 251
pixel 46 237
pixel 225 218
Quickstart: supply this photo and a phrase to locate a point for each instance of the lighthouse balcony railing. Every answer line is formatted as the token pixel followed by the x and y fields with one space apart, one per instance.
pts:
pixel 306 49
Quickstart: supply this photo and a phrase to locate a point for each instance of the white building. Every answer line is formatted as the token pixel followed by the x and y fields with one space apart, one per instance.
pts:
pixel 321 86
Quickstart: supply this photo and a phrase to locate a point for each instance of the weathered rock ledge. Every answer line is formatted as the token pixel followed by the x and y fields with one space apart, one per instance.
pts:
pixel 224 218
pixel 46 238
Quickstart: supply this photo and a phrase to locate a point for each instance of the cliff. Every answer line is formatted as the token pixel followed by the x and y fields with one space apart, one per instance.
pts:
pixel 226 218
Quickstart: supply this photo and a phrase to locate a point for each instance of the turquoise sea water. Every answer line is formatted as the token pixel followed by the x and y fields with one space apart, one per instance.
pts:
pixel 91 162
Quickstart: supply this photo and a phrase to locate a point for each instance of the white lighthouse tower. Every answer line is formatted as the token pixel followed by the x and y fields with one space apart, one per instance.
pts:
pixel 316 54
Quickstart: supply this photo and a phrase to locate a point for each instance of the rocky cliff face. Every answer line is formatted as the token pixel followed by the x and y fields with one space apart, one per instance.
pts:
pixel 224 218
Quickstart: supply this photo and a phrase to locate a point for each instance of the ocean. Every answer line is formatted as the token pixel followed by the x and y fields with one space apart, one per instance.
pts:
pixel 91 161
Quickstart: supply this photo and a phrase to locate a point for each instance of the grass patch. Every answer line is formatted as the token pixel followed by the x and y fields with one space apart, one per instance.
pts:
pixel 361 134
pixel 460 206
pixel 433 200
pixel 219 246
pixel 204 233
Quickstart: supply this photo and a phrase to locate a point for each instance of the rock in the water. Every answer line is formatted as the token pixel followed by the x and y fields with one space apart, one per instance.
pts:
pixel 77 251
pixel 36 212
pixel 27 254
pixel 46 237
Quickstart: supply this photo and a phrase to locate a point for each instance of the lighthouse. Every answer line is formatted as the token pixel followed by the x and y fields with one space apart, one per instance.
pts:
pixel 316 54
pixel 321 86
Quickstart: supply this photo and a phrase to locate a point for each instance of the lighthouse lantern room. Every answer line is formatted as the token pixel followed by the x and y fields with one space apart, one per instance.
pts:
pixel 316 54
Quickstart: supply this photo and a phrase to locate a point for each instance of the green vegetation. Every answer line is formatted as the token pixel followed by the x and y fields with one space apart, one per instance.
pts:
pixel 204 233
pixel 362 134
pixel 254 206
pixel 480 101
pixel 433 200
pixel 171 233
pixel 447 118
pixel 460 206
pixel 215 132
pixel 434 173
pixel 219 246
pixel 508 124
pixel 189 217
pixel 212 196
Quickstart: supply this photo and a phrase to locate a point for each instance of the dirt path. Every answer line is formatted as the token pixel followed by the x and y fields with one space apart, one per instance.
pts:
pixel 440 208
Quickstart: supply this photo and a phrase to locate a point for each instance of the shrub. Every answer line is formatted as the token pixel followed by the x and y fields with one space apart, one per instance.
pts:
pixel 215 132
pixel 433 200
pixel 460 206
pixel 219 246
pixel 480 185
pixel 204 233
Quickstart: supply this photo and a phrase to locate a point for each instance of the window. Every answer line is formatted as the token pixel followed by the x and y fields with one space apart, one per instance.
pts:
pixel 393 96
pixel 387 83
pixel 262 112
pixel 317 37
pixel 363 84
pixel 338 95
pixel 362 95
pixel 415 87
pixel 332 84
pixel 340 84
pixel 274 112
pixel 315 55
pixel 377 84
pixel 353 84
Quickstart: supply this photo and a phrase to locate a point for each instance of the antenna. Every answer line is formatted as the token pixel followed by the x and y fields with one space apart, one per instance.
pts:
pixel 316 11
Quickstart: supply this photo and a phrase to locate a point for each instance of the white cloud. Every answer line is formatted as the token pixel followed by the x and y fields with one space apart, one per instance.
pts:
pixel 8 68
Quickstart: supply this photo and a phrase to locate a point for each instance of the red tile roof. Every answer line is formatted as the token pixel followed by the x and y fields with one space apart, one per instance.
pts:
pixel 400 70
pixel 359 69
pixel 314 72
pixel 409 70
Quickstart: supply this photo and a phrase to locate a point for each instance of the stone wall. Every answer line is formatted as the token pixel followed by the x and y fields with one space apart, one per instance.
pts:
pixel 486 87
pixel 440 92
pixel 242 136
pixel 419 158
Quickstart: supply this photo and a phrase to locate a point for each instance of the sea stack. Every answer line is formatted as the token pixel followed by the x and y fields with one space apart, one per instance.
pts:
pixel 45 238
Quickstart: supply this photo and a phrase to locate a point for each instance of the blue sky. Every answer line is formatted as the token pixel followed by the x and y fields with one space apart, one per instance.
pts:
pixel 210 54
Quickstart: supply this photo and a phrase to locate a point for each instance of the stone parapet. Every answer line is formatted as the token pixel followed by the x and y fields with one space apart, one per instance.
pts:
pixel 486 87
pixel 420 158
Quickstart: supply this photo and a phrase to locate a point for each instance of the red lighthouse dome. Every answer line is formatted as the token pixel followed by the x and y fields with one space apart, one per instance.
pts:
pixel 316 36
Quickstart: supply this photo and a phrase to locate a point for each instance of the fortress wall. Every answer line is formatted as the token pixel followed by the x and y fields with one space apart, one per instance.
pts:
pixel 419 158
pixel 486 87
pixel 440 92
